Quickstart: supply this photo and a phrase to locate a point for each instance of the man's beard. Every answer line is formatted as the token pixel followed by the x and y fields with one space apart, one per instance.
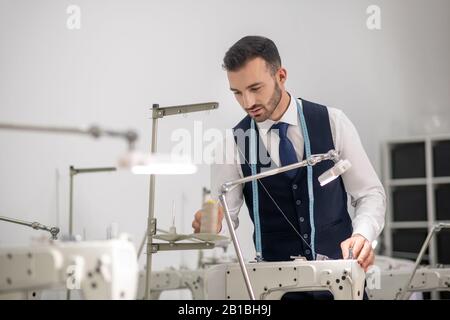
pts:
pixel 271 104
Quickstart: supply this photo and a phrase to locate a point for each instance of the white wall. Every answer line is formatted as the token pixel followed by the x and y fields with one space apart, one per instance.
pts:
pixel 131 54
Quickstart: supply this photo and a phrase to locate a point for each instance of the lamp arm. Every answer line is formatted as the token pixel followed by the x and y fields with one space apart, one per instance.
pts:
pixel 228 186
pixel 94 131
pixel 311 161
pixel 35 225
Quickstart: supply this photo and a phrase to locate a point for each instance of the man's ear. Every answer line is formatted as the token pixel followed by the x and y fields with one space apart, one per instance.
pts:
pixel 282 75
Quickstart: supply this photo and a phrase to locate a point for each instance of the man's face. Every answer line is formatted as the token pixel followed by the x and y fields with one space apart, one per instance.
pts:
pixel 256 89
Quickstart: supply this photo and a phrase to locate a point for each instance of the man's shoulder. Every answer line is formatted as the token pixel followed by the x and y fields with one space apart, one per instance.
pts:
pixel 307 103
pixel 332 111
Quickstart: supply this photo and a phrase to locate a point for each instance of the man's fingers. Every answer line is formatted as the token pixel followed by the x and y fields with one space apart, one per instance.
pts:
pixel 344 244
pixel 357 246
pixel 369 261
pixel 344 247
pixel 198 218
pixel 364 252
pixel 220 212
pixel 196 222
pixel 196 226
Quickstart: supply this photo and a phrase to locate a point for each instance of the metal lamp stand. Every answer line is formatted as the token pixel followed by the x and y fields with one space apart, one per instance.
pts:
pixel 159 113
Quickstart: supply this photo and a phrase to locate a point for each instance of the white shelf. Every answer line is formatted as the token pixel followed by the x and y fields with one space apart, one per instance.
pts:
pixel 410 255
pixel 417 181
pixel 407 182
pixel 429 182
pixel 419 139
pixel 441 180
pixel 409 224
pixel 413 224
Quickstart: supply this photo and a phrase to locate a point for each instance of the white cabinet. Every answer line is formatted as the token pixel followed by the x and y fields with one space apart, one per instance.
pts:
pixel 416 176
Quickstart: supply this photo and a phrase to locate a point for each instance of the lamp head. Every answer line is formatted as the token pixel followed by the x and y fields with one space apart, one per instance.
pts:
pixel 157 164
pixel 338 169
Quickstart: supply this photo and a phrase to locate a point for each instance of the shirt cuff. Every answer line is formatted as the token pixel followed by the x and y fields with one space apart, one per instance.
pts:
pixel 366 231
pixel 224 230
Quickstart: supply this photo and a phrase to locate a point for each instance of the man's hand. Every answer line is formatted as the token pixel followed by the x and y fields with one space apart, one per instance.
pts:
pixel 198 216
pixel 361 249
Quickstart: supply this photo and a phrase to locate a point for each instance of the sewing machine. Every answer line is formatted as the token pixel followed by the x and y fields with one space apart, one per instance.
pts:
pixel 271 280
pixel 389 276
pixel 101 269
pixel 384 280
pixel 172 279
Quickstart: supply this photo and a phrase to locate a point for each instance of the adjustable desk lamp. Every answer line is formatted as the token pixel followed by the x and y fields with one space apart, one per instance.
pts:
pixel 137 163
pixel 339 168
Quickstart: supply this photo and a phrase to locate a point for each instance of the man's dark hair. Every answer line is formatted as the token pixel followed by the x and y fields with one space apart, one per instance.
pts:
pixel 250 47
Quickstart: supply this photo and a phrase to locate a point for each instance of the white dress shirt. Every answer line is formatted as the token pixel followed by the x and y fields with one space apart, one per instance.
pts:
pixel 361 181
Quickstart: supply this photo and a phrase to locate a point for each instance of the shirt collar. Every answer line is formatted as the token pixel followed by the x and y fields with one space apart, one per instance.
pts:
pixel 290 117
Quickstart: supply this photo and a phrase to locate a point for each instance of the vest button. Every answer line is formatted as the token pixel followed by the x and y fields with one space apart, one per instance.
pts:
pixel 307 251
pixel 298 202
pixel 294 187
pixel 302 219
pixel 305 236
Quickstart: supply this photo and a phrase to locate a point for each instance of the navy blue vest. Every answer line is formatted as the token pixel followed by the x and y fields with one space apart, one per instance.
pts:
pixel 332 221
